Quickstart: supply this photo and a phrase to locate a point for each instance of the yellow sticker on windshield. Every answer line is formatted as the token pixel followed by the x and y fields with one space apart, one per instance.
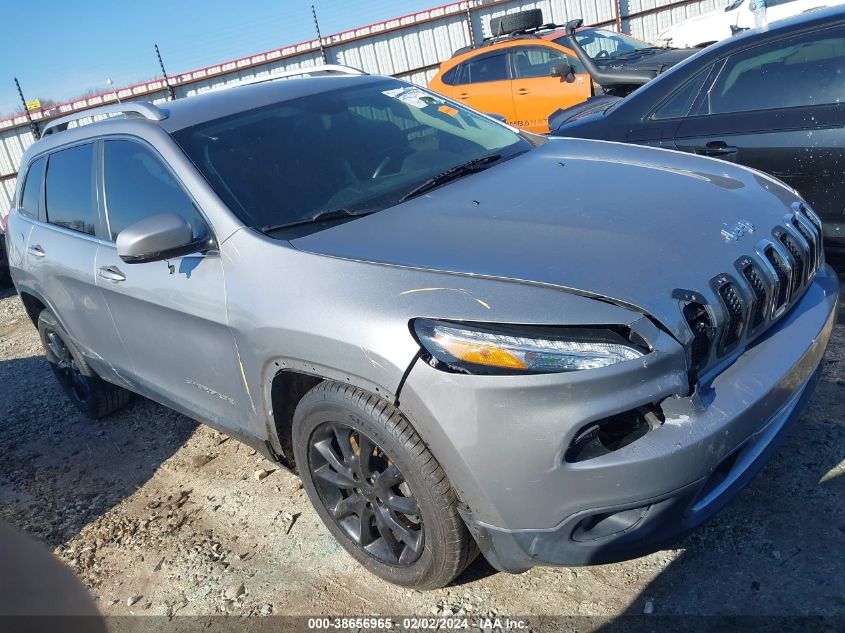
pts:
pixel 448 110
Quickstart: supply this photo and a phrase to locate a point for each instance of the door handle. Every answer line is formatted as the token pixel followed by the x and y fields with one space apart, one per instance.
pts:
pixel 463 95
pixel 37 251
pixel 523 91
pixel 716 148
pixel 112 273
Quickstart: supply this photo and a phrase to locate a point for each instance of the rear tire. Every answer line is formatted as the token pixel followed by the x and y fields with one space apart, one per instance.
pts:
pixel 86 390
pixel 395 512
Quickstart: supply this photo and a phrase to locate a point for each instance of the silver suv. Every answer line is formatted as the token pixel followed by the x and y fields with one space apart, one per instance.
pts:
pixel 461 336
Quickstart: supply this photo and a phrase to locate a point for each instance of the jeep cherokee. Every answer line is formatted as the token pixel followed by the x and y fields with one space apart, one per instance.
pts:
pixel 421 311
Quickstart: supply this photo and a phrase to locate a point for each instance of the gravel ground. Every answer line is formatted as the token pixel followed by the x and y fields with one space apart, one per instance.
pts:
pixel 158 515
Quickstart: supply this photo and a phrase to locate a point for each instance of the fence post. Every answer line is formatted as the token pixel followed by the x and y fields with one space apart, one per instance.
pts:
pixel 469 23
pixel 33 126
pixel 618 5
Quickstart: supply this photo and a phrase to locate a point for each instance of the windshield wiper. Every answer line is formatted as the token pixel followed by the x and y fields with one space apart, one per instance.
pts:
pixel 450 174
pixel 638 51
pixel 320 216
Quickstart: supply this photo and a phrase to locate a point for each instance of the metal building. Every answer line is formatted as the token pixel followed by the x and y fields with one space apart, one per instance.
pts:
pixel 411 47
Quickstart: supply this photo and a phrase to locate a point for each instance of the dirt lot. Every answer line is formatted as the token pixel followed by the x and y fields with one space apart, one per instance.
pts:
pixel 158 515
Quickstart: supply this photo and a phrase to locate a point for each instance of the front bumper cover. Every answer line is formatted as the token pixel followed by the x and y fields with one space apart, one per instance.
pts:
pixel 502 446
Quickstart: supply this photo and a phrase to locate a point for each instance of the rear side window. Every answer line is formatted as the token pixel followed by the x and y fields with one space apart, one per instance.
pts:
pixel 804 70
pixel 32 188
pixel 485 68
pixel 69 192
pixel 138 185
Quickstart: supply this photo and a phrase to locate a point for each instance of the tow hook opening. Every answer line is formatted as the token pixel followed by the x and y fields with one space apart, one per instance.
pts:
pixel 598 526
pixel 612 433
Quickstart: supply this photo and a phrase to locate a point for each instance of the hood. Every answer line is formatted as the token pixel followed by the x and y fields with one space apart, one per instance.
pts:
pixel 592 109
pixel 657 60
pixel 627 223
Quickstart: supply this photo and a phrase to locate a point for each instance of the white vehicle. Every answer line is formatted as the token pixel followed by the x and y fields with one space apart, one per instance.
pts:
pixel 738 16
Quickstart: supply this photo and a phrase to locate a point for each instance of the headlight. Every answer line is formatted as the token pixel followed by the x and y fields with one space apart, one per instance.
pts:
pixel 508 349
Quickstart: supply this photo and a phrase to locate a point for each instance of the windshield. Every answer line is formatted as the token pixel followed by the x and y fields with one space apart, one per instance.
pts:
pixel 353 149
pixel 600 44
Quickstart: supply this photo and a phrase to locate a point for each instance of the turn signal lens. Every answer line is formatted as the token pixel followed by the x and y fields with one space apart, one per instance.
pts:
pixel 474 348
pixel 479 353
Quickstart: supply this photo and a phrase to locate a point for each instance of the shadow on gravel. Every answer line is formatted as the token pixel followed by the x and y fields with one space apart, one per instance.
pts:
pixel 59 470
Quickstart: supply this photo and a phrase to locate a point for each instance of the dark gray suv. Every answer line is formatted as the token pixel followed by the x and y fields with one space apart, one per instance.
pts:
pixel 461 336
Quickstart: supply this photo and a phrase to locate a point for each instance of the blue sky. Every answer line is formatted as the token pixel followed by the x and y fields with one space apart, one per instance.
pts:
pixel 59 50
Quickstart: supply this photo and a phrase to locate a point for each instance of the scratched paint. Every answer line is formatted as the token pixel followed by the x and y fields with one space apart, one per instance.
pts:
pixel 463 291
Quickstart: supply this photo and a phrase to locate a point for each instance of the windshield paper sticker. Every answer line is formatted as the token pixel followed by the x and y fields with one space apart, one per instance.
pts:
pixel 413 97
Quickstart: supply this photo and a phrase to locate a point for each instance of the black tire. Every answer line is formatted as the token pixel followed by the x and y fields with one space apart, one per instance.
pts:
pixel 529 19
pixel 86 390
pixel 440 546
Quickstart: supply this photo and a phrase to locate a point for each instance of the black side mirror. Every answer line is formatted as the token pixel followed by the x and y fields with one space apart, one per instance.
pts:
pixel 564 71
pixel 158 237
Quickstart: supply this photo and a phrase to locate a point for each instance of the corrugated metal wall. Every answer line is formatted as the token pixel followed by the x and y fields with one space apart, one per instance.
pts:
pixel 410 47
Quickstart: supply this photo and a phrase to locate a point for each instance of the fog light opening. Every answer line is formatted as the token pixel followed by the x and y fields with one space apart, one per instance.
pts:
pixel 612 433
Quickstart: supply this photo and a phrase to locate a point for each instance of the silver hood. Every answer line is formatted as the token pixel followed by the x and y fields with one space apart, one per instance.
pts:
pixel 627 223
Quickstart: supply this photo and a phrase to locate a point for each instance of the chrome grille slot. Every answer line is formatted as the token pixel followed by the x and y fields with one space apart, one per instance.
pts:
pixel 783 273
pixel 760 291
pixel 812 217
pixel 797 256
pixel 813 259
pixel 734 305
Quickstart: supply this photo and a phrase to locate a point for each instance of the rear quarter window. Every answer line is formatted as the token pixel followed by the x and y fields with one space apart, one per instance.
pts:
pixel 31 198
pixel 450 77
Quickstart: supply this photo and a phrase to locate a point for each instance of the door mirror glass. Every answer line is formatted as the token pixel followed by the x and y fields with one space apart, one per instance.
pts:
pixel 156 238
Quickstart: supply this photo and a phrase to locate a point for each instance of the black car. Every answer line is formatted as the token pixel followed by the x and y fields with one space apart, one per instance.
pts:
pixel 772 100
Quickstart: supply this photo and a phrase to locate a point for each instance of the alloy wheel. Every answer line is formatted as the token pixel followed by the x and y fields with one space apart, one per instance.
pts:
pixel 66 368
pixel 365 493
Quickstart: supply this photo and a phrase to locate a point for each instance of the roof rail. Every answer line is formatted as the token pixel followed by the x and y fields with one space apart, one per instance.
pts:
pixel 141 109
pixel 328 69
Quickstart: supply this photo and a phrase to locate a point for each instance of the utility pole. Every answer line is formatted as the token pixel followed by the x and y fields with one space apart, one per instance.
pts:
pixel 319 36
pixel 170 90
pixel 33 126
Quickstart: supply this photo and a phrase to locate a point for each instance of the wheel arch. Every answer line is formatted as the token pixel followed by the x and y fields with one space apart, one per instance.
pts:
pixel 289 380
pixel 33 305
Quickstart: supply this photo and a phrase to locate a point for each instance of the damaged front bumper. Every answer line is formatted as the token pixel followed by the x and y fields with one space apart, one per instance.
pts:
pixel 503 442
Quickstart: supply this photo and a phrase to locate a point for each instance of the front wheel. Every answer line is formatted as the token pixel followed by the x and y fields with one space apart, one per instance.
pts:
pixel 378 489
